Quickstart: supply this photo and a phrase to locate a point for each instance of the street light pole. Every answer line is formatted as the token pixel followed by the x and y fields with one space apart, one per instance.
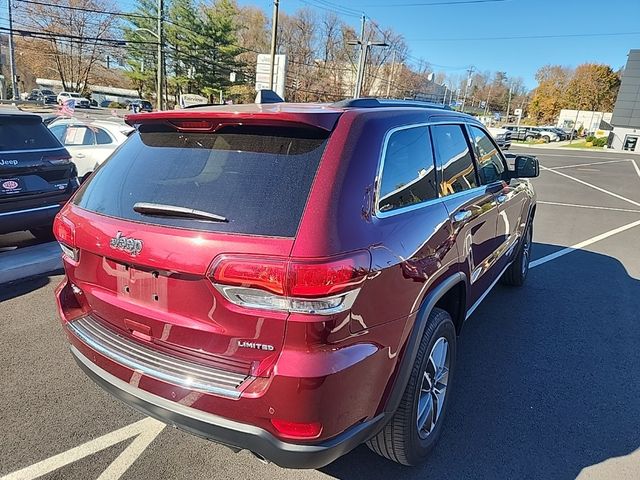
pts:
pixel 159 99
pixel 274 38
pixel 12 58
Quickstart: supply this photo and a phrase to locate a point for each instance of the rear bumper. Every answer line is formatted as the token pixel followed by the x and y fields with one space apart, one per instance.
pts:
pixel 27 218
pixel 229 432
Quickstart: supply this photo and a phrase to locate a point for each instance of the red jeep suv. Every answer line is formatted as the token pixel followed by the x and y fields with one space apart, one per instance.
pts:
pixel 290 279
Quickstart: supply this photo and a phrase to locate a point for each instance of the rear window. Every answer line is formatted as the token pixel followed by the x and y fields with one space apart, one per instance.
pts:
pixel 25 134
pixel 257 177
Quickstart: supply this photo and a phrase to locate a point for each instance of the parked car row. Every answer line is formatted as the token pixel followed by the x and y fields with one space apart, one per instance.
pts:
pixel 546 133
pixel 41 167
pixel 48 97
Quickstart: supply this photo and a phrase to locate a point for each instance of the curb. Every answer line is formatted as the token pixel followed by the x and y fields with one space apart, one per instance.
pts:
pixel 30 262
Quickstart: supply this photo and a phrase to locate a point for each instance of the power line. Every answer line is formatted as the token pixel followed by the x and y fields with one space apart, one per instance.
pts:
pixel 432 4
pixel 83 9
pixel 49 35
pixel 525 37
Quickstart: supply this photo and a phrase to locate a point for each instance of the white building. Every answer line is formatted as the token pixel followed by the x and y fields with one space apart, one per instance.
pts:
pixel 589 121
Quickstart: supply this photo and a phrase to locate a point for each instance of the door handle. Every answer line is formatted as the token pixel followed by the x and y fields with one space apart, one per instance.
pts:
pixel 462 215
pixel 80 155
pixel 501 198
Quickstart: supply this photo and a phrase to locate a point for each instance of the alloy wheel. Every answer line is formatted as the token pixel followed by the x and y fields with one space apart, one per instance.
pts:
pixel 526 252
pixel 433 388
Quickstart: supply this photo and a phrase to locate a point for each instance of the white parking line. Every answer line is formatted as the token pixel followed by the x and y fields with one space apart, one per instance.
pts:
pixel 582 244
pixel 132 452
pixel 589 206
pixel 587 164
pixel 144 428
pixel 635 166
pixel 599 157
pixel 633 202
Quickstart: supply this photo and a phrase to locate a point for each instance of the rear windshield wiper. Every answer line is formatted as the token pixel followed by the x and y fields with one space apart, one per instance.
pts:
pixel 161 210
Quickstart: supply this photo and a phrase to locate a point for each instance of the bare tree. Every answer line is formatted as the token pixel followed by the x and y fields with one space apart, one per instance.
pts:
pixel 76 34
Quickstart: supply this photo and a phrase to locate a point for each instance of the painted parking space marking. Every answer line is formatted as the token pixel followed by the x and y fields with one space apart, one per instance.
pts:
pixel 620 197
pixel 635 166
pixel 145 430
pixel 587 164
pixel 585 243
pixel 594 207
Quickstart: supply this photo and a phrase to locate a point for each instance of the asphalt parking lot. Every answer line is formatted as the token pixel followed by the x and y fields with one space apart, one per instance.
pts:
pixel 548 376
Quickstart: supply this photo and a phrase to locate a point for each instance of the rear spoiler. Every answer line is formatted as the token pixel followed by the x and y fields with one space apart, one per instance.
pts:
pixel 213 118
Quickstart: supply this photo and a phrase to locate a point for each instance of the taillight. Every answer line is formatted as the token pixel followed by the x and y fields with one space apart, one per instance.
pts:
pixel 57 159
pixel 322 286
pixel 64 232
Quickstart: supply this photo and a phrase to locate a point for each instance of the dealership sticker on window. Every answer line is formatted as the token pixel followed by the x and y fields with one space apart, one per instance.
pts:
pixel 10 185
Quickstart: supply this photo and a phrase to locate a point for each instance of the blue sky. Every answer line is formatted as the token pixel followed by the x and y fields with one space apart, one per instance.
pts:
pixel 457 35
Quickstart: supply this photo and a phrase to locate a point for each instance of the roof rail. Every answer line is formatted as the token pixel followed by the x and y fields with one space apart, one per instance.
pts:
pixel 386 102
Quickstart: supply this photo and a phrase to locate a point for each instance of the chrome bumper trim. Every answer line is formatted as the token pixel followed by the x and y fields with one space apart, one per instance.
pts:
pixel 156 364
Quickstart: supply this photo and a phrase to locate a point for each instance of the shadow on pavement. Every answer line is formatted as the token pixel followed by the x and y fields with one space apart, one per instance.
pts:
pixel 22 287
pixel 548 379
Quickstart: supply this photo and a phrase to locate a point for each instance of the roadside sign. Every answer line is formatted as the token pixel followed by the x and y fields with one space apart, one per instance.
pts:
pixel 263 68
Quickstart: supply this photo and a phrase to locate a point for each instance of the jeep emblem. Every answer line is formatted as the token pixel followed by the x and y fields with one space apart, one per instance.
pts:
pixel 126 244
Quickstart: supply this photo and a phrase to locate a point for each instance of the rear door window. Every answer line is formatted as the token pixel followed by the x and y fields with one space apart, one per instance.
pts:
pixel 408 173
pixel 454 159
pixel 258 177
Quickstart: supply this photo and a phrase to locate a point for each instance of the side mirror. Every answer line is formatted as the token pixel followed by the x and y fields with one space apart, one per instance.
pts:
pixel 527 166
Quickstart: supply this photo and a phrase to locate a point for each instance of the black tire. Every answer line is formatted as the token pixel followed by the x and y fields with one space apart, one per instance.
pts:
pixel 546 139
pixel 516 274
pixel 44 234
pixel 400 439
pixel 528 138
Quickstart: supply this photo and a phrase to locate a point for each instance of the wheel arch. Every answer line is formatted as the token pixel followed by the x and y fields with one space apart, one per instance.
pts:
pixel 441 296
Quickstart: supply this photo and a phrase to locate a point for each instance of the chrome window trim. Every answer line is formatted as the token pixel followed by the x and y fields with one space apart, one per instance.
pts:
pixel 398 211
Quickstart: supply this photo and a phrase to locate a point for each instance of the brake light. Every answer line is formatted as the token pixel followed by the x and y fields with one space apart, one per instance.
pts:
pixel 64 232
pixel 324 286
pixel 252 272
pixel 321 279
pixel 297 430
pixel 193 125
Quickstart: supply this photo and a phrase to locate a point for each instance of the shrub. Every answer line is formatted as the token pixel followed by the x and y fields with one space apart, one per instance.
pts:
pixel 115 105
pixel 590 139
pixel 600 142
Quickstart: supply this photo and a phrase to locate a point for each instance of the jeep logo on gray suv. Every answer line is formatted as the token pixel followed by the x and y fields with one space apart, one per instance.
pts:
pixel 130 245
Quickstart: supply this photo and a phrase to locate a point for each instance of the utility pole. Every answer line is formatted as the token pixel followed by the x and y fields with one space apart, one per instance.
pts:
pixel 393 67
pixel 274 38
pixel 466 88
pixel 486 106
pixel 509 102
pixel 12 58
pixel 159 99
pixel 361 60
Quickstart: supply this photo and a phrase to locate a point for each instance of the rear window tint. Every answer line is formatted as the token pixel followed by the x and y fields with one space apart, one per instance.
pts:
pixel 257 177
pixel 27 134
